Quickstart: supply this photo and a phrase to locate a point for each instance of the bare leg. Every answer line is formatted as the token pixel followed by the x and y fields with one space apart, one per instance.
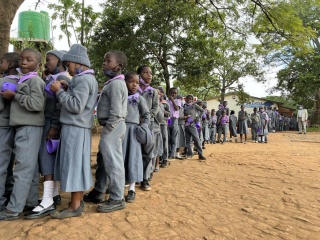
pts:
pixel 76 198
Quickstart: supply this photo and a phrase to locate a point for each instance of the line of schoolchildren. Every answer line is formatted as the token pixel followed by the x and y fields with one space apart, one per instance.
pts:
pixel 142 129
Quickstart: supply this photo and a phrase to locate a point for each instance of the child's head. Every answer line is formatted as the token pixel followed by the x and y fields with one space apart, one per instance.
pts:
pixel 255 110
pixel 220 106
pixel 199 102
pixel 113 63
pixel 173 92
pixel 213 112
pixel 29 60
pixel 189 98
pixel 53 61
pixel 232 112
pixel 225 103
pixel 132 81
pixel 242 107
pixel 9 61
pixel 76 59
pixel 223 112
pixel 161 92
pixel 145 73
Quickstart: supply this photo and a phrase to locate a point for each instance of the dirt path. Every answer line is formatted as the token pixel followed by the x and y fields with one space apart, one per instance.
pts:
pixel 254 191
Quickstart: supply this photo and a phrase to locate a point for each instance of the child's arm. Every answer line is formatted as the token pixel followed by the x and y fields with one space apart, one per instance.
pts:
pixel 144 111
pixel 198 108
pixel 33 99
pixel 155 104
pixel 76 102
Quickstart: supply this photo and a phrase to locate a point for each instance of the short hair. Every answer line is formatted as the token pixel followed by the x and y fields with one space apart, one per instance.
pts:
pixel 189 95
pixel 12 58
pixel 129 75
pixel 173 88
pixel 232 112
pixel 36 52
pixel 120 57
pixel 140 68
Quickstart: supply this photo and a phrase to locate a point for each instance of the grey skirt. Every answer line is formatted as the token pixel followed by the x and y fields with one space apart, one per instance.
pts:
pixel 132 155
pixel 205 132
pixel 242 127
pixel 72 166
pixel 181 142
pixel 46 160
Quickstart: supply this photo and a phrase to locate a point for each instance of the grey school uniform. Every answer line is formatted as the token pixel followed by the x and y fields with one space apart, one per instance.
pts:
pixel 27 117
pixel 205 126
pixel 191 130
pixel 263 121
pixel 131 147
pixel 242 122
pixel 233 125
pixel 158 142
pixel 72 165
pixel 255 126
pixel 111 113
pixel 6 144
pixel 164 130
pixel 173 128
pixel 213 128
pixel 52 115
pixel 181 141
pixel 152 100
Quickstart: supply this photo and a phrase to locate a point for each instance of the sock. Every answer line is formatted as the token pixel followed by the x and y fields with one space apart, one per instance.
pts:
pixel 47 199
pixel 56 188
pixel 132 186
pixel 178 154
pixel 262 139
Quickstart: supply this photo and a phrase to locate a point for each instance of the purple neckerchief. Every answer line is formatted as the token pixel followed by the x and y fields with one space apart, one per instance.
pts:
pixel 119 77
pixel 147 89
pixel 16 77
pixel 55 76
pixel 143 82
pixel 27 76
pixel 188 105
pixel 132 99
pixel 89 71
pixel 214 119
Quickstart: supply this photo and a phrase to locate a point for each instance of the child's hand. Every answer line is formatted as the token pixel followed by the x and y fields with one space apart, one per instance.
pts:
pixel 64 84
pixel 53 133
pixel 8 94
pixel 55 86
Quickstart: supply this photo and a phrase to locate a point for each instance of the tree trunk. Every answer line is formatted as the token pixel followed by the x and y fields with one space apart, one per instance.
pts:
pixel 7 13
pixel 166 76
pixel 316 113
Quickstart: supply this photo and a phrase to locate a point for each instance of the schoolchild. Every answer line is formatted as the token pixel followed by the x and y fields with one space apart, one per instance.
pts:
pixel 181 140
pixel 72 165
pixel 173 127
pixel 51 130
pixel 111 113
pixel 198 122
pixel 191 113
pixel 27 118
pixel 205 117
pixel 233 121
pixel 8 65
pixel 263 125
pixel 226 108
pixel 213 126
pixel 242 124
pixel 137 109
pixel 152 99
pixel 223 123
pixel 255 125
pixel 164 127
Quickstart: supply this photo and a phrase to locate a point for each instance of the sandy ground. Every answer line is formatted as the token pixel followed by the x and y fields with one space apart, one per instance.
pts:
pixel 253 191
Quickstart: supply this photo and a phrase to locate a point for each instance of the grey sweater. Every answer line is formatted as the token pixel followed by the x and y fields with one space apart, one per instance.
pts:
pixel 152 99
pixel 112 105
pixel 137 109
pixel 53 106
pixel 193 110
pixel 5 105
pixel 27 108
pixel 77 104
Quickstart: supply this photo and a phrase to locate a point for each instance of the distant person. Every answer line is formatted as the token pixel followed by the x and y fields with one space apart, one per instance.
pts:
pixel 302 117
pixel 242 124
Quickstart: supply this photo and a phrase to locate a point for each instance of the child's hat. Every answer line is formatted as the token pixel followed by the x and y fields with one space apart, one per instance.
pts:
pixel 58 53
pixel 77 54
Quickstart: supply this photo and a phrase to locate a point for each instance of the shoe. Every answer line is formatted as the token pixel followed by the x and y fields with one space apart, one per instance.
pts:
pixel 42 213
pixel 245 142
pixel 223 142
pixel 157 169
pixel 93 196
pixel 201 157
pixel 7 215
pixel 180 158
pixel 57 200
pixel 151 176
pixel 131 196
pixel 2 207
pixel 66 213
pixel 230 140
pixel 145 186
pixel 111 205
pixel 305 133
pixel 28 208
pixel 203 147
pixel 164 165
pixel 236 140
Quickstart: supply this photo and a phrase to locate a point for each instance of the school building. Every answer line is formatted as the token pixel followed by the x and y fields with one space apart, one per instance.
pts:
pixel 233 104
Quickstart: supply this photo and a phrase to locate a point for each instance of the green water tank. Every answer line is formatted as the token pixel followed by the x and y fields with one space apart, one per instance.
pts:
pixel 33 24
